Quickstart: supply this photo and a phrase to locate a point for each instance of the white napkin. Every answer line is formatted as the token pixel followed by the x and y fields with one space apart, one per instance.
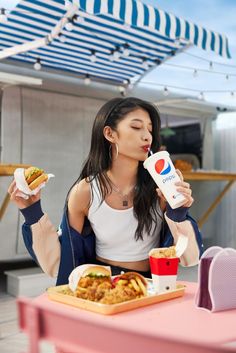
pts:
pixel 22 185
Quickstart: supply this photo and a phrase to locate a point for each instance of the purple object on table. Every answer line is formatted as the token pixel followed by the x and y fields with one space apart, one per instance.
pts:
pixel 217 279
pixel 204 295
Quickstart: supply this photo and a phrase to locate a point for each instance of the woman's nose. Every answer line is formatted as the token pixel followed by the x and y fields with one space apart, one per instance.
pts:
pixel 147 136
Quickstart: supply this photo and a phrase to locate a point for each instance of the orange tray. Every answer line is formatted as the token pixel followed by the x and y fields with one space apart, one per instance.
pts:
pixel 55 294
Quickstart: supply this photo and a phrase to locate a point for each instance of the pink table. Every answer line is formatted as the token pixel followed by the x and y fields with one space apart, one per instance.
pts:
pixel 171 326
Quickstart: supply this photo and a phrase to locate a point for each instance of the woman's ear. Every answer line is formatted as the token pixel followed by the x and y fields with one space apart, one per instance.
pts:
pixel 109 134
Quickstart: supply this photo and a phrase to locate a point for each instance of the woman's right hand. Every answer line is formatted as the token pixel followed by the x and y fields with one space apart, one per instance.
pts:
pixel 19 201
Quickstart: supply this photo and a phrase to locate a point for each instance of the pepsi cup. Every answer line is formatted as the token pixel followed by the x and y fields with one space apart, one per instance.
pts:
pixel 163 172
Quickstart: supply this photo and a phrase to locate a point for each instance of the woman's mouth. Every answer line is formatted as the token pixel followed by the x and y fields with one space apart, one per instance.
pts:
pixel 146 148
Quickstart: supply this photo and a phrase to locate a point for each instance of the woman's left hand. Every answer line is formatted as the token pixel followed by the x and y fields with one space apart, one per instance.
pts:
pixel 185 189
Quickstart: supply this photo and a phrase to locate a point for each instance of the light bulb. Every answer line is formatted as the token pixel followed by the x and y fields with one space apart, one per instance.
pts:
pixel 37 65
pixel 121 88
pixel 126 49
pixel 62 38
pixel 145 64
pixel 130 86
pixel 211 65
pixel 111 56
pixel 69 25
pixel 165 91
pixel 195 73
pixel 68 4
pixel 80 19
pixel 116 55
pixel 126 52
pixel 93 58
pixel 3 16
pixel 201 96
pixel 87 80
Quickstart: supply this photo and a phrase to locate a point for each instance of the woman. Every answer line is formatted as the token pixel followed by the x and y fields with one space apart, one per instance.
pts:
pixel 113 215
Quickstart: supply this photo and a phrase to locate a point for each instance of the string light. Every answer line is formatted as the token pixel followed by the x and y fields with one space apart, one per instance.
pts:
pixel 116 53
pixel 3 16
pixel 204 59
pixel 80 19
pixel 122 90
pixel 201 96
pixel 111 56
pixel 145 64
pixel 198 70
pixel 69 26
pixel 227 77
pixel 128 84
pixel 211 65
pixel 93 57
pixel 87 80
pixel 195 73
pixel 126 51
pixel 165 91
pixel 62 38
pixel 37 64
pixel 68 4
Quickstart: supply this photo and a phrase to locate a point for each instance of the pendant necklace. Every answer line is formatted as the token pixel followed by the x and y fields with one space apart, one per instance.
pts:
pixel 125 197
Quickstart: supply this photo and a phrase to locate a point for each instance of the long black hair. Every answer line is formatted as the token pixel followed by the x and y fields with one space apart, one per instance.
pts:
pixel 99 162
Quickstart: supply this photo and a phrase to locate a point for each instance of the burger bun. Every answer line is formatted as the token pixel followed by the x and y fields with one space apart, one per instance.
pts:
pixel 35 177
pixel 96 270
pixel 38 181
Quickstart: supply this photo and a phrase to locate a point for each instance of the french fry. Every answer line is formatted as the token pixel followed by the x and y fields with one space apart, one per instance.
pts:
pixel 135 285
pixel 141 285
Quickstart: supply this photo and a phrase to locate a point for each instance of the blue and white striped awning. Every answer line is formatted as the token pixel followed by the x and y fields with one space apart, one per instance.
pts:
pixel 141 37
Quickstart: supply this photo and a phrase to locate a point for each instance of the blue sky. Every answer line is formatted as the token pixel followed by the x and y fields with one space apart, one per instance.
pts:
pixel 216 15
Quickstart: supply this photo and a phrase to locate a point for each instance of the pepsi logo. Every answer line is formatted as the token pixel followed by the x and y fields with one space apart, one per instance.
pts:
pixel 162 167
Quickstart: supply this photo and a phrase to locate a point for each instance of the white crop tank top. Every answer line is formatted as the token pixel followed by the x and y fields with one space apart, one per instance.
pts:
pixel 115 231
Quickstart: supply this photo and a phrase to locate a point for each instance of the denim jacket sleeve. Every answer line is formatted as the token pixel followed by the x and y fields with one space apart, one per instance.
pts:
pixel 76 248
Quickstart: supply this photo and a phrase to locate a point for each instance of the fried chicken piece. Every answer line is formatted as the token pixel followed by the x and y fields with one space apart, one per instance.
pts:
pixel 118 294
pixel 93 288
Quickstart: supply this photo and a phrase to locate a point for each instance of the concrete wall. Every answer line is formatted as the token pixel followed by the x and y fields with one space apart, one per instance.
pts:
pixel 51 131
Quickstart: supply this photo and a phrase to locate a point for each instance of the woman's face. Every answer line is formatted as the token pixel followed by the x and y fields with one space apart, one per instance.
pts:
pixel 134 135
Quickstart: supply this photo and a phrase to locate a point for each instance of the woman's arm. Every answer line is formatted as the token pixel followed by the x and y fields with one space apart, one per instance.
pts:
pixel 180 223
pixel 183 226
pixel 44 238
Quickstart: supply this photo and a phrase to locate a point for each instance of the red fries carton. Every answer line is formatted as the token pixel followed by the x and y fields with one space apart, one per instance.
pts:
pixel 164 267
